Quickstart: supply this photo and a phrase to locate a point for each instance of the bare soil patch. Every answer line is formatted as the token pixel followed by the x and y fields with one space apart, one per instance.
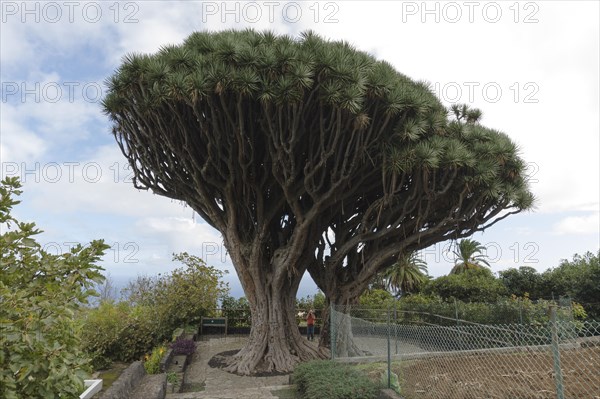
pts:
pixel 523 375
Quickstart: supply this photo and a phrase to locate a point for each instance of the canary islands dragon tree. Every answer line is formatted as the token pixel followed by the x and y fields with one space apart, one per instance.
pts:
pixel 305 153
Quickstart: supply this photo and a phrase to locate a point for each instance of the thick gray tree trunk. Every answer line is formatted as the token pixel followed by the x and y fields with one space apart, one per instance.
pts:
pixel 345 345
pixel 275 343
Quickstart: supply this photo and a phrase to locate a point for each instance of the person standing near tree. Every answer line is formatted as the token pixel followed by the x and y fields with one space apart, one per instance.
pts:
pixel 310 325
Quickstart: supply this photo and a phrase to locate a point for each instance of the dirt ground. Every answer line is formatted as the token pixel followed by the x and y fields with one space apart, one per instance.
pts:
pixel 522 375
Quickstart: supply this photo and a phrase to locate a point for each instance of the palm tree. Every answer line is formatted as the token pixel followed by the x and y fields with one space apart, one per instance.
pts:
pixel 407 274
pixel 469 256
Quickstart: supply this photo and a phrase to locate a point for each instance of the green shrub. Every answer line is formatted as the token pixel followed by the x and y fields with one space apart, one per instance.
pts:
pixel 324 379
pixel 152 361
pixel 139 334
pixel 100 362
pixel 237 311
pixel 419 309
pixel 179 298
pixel 41 296
pixel 101 329
pixel 119 332
pixel 177 333
pixel 474 285
pixel 153 308
pixel 191 328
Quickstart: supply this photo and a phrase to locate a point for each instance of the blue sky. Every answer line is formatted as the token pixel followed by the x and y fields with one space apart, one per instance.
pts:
pixel 531 67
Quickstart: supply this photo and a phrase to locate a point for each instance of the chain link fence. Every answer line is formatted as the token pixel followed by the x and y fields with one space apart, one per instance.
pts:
pixel 426 355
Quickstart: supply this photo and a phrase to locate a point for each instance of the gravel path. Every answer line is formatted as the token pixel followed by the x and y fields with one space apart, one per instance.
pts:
pixel 219 384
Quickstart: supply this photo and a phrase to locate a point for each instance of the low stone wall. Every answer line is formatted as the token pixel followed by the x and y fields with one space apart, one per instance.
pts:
pixel 153 387
pixel 135 383
pixel 165 361
pixel 127 382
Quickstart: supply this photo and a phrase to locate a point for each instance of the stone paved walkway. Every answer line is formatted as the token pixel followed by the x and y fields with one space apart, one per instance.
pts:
pixel 220 384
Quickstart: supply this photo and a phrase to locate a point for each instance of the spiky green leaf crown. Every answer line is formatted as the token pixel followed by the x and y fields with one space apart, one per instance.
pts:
pixel 279 70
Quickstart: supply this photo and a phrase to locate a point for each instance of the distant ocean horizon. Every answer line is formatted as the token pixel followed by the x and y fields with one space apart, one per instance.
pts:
pixel 120 282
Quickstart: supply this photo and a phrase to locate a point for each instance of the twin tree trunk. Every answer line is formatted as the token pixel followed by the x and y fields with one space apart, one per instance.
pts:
pixel 341 332
pixel 275 343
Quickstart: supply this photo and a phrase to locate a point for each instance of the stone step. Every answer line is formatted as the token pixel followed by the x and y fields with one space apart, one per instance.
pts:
pixel 232 393
pixel 152 386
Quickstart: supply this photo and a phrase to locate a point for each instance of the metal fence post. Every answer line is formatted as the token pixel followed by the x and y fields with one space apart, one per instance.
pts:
pixel 389 355
pixel 396 326
pixel 558 378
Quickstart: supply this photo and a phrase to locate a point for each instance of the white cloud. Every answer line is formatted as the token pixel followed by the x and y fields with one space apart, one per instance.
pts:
pixel 19 143
pixel 32 39
pixel 587 224
pixel 158 25
pixel 520 231
pixel 97 179
pixel 183 234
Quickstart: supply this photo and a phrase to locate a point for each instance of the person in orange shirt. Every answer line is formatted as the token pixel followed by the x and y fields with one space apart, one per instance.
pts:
pixel 310 325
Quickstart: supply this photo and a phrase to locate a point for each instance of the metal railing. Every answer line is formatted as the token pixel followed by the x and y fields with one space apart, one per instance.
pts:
pixel 441 357
pixel 239 320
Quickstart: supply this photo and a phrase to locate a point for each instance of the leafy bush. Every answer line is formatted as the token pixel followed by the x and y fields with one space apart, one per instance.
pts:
pixel 237 311
pixel 418 309
pixel 41 295
pixel 474 285
pixel 183 346
pixel 191 328
pixel 181 297
pixel 376 299
pixel 100 362
pixel 324 379
pixel 524 281
pixel 152 361
pixel 153 307
pixel 578 279
pixel 119 332
pixel 177 333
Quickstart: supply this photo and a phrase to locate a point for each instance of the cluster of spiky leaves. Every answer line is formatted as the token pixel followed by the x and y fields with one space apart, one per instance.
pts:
pixel 281 70
pixel 268 68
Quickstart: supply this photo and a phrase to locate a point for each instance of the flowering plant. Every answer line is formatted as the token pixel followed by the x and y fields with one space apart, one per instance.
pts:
pixel 152 361
pixel 183 346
